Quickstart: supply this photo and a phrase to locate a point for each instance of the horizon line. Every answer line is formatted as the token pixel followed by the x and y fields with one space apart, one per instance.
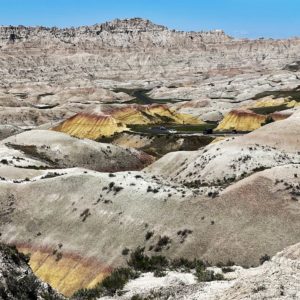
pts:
pixel 147 19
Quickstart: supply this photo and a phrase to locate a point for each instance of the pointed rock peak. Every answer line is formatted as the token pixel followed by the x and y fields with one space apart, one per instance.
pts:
pixel 133 24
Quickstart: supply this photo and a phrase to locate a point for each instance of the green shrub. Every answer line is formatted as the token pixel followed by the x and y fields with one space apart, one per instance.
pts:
pixel 117 280
pixel 229 263
pixel 227 270
pixel 125 251
pixel 141 262
pixel 149 235
pixel 136 297
pixel 87 294
pixel 159 273
pixel 183 263
pixel 109 286
pixel 264 258
pixel 204 275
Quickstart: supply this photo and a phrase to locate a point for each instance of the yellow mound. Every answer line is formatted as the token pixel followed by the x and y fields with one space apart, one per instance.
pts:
pixel 247 120
pixel 268 102
pixel 94 126
pixel 90 126
pixel 292 104
pixel 153 114
pixel 241 120
pixel 66 274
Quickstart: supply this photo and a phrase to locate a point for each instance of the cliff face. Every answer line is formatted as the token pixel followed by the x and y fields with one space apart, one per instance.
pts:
pixel 134 49
pixel 128 33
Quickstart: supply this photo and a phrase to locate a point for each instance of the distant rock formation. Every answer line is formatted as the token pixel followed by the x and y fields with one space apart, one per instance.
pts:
pixel 130 49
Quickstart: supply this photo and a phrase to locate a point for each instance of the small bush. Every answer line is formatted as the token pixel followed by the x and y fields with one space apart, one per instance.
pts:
pixel 87 294
pixel 51 175
pixel 227 270
pixel 162 242
pixel 159 273
pixel 136 297
pixel 229 263
pixel 204 275
pixel 149 235
pixel 264 258
pixel 125 251
pixel 109 286
pixel 259 289
pixel 183 263
pixel 141 262
pixel 117 280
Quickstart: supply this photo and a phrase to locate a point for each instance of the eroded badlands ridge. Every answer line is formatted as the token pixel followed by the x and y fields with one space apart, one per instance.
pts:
pixel 76 222
pixel 76 205
pixel 131 49
pixel 50 74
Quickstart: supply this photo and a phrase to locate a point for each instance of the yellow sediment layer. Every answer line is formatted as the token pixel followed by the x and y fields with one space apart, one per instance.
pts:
pixel 292 104
pixel 271 102
pixel 268 102
pixel 95 126
pixel 91 127
pixel 152 115
pixel 241 121
pixel 68 274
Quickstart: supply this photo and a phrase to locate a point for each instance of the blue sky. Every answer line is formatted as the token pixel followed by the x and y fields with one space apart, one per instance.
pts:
pixel 241 18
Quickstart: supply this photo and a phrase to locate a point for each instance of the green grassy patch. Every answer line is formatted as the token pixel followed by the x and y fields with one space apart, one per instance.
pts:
pixel 180 128
pixel 269 110
pixel 141 97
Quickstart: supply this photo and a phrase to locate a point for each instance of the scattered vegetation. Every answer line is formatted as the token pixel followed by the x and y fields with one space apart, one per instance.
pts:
pixel 162 243
pixel 85 214
pixel 109 286
pixel 51 175
pixel 149 235
pixel 229 263
pixel 264 258
pixel 159 273
pixel 227 269
pixel 259 289
pixel 204 275
pixel 139 263
pixel 4 161
pixel 125 251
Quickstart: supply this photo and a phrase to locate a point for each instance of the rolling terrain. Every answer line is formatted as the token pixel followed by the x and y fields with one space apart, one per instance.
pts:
pixel 128 135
